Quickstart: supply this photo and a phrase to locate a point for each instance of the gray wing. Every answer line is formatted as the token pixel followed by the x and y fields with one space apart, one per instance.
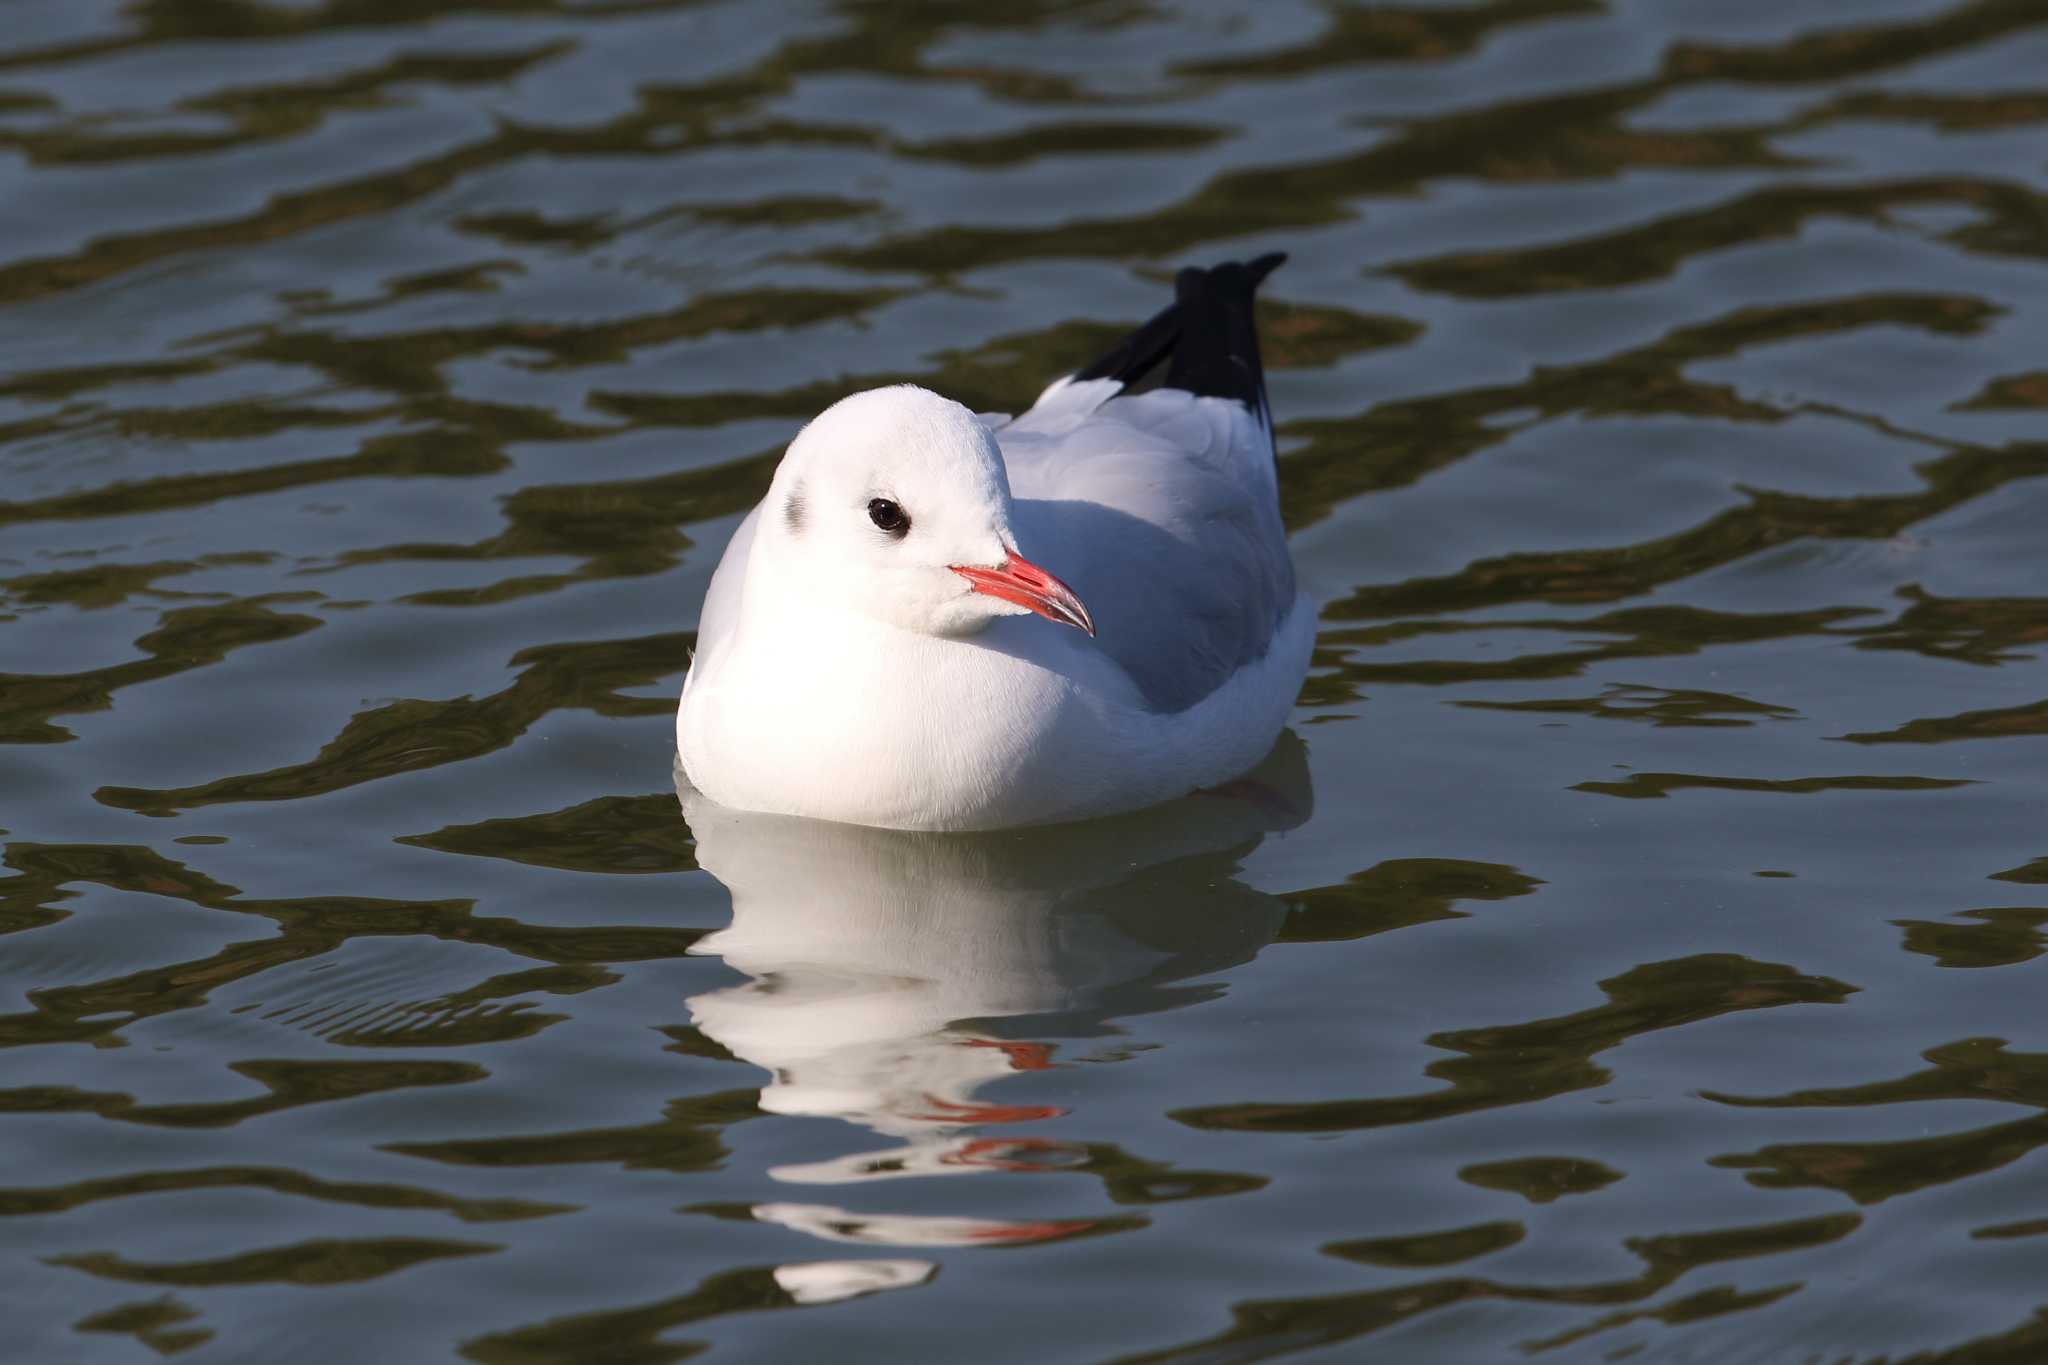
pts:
pixel 1162 511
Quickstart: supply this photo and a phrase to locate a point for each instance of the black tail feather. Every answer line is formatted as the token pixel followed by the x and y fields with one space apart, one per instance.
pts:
pixel 1138 354
pixel 1207 336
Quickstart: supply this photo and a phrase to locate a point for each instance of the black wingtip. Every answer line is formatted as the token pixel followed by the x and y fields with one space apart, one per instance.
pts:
pixel 1139 353
pixel 1262 266
pixel 1207 336
pixel 1218 351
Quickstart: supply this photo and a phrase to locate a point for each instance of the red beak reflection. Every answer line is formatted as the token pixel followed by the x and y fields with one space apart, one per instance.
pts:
pixel 1018 580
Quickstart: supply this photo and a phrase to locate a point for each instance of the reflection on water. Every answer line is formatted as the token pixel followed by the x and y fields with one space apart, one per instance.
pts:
pixel 1661 404
pixel 892 974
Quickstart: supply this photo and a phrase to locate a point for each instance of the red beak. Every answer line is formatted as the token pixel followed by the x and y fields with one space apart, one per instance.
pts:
pixel 1018 580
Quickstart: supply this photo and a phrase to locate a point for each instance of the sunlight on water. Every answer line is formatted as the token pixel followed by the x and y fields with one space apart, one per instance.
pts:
pixel 1633 950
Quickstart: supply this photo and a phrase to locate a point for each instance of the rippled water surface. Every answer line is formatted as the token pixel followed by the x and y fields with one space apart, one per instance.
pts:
pixel 1634 951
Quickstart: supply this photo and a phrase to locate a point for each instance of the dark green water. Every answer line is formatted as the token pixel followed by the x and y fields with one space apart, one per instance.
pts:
pixel 1636 952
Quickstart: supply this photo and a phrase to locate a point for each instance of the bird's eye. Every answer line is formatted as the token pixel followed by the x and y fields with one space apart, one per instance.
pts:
pixel 889 517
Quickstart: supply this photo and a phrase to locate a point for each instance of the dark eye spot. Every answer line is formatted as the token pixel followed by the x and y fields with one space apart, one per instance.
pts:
pixel 889 517
pixel 793 511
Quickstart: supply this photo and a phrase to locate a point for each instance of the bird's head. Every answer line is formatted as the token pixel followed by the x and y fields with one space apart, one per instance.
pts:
pixel 895 503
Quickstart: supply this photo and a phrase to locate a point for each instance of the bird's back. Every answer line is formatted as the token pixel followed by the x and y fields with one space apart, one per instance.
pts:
pixel 1161 510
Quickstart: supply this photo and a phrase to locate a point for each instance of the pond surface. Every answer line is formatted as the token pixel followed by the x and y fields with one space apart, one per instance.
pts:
pixel 1634 950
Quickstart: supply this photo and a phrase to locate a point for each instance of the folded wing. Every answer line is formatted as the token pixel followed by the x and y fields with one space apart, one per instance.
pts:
pixel 1161 508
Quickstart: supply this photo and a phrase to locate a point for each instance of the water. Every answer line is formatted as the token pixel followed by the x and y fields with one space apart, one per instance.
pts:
pixel 1635 950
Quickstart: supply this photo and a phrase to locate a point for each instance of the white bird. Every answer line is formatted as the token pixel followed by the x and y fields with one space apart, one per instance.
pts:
pixel 868 650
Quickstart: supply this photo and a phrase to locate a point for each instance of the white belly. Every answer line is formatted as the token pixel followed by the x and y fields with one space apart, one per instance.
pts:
pixel 1023 724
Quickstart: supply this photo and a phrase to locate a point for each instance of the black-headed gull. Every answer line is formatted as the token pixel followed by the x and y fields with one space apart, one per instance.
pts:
pixel 871 649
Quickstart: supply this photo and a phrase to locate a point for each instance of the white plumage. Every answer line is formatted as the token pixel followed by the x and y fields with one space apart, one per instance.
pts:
pixel 877 648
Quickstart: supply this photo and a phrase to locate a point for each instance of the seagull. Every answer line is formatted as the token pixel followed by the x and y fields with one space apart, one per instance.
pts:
pixel 875 648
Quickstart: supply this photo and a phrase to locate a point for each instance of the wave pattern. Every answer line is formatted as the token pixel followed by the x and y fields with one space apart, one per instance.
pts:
pixel 379 381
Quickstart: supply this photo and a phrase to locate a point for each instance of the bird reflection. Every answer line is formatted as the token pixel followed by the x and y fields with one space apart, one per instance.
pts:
pixel 895 975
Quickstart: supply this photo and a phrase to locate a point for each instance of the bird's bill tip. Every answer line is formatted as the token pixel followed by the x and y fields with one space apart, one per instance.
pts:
pixel 1019 581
